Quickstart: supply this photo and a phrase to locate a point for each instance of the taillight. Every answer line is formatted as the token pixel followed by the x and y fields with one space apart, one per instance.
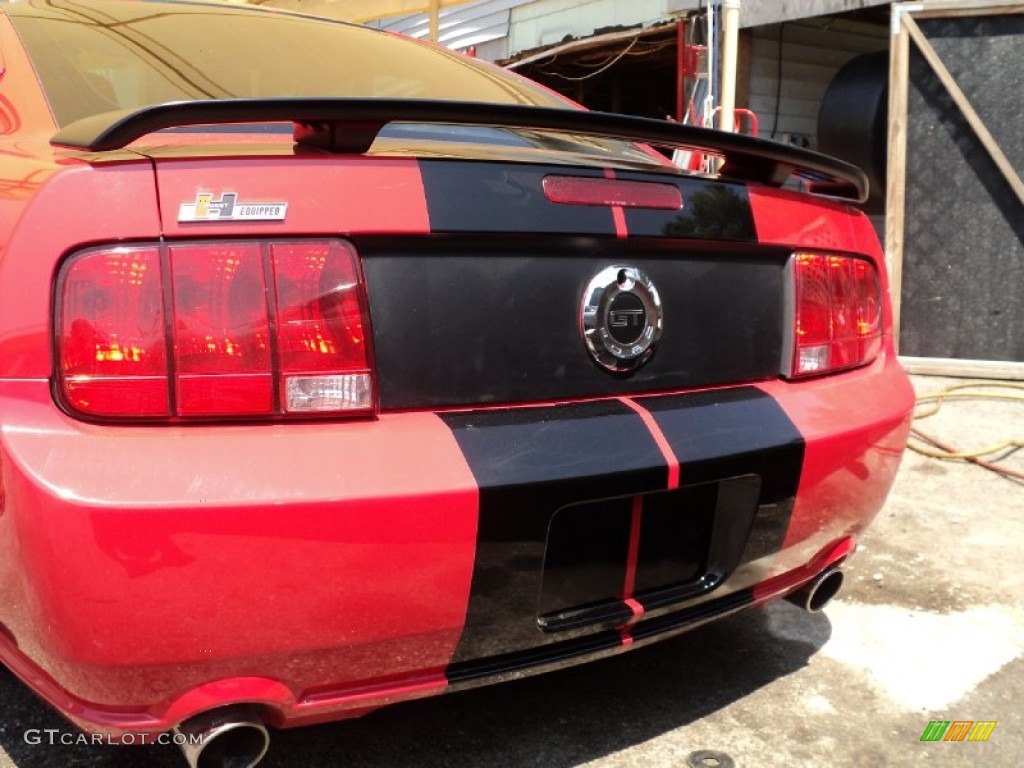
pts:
pixel 837 313
pixel 214 330
pixel 112 336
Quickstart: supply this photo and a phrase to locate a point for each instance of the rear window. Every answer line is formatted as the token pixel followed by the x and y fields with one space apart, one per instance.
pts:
pixel 98 57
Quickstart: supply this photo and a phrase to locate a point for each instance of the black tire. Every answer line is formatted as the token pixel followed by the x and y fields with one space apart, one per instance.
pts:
pixel 853 119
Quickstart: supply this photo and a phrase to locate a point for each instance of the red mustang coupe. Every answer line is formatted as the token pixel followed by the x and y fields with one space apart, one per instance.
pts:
pixel 338 369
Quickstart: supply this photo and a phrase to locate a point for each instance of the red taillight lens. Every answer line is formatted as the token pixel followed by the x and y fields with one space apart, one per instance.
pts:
pixel 113 351
pixel 321 337
pixel 813 313
pixel 252 329
pixel 221 331
pixel 837 314
pixel 869 309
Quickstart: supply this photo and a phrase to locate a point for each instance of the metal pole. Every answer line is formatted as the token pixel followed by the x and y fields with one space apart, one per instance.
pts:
pixel 709 100
pixel 680 70
pixel 730 53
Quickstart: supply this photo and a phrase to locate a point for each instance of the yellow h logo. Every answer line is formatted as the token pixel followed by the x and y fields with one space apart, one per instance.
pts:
pixel 203 200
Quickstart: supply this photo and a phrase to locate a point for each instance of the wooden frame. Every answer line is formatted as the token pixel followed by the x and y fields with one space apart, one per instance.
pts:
pixel 905 31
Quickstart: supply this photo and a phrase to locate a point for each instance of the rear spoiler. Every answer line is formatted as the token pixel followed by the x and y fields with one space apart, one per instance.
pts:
pixel 351 125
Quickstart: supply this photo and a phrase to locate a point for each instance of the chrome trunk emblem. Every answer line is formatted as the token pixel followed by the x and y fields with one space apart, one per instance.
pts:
pixel 621 318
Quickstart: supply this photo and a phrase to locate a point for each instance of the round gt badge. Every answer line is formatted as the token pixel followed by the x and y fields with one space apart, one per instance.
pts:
pixel 621 318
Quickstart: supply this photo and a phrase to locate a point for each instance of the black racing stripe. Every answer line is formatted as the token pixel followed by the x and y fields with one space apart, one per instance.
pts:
pixel 481 196
pixel 477 196
pixel 712 210
pixel 737 432
pixel 556 491
pixel 528 463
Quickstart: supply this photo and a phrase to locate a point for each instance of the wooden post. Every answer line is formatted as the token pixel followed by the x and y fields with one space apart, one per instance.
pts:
pixel 730 53
pixel 895 195
pixel 435 14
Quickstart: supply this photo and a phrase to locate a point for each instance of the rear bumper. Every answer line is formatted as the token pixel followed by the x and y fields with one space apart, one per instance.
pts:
pixel 323 570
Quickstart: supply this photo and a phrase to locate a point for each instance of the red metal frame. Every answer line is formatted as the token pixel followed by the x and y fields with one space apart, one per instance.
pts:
pixel 741 113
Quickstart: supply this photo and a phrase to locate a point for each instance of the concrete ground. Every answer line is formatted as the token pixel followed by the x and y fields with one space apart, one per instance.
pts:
pixel 930 626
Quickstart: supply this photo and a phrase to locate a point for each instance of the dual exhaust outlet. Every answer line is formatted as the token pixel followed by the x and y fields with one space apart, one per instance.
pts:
pixel 226 737
pixel 819 591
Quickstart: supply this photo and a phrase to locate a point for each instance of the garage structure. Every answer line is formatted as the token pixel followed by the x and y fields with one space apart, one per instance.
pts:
pixel 955 219
pixel 625 57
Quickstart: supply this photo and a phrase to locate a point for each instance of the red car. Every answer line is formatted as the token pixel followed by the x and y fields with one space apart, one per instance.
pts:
pixel 338 369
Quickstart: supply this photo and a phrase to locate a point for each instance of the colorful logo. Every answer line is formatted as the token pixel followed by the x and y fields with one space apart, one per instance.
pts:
pixel 958 730
pixel 227 208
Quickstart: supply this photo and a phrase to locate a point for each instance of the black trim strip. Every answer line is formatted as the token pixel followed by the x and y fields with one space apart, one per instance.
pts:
pixel 548 656
pixel 692 616
pixel 616 614
pixel 571 652
pixel 351 125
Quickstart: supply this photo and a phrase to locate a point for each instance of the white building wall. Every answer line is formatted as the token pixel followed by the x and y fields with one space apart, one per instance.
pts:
pixel 812 53
pixel 500 28
pixel 545 22
pixel 812 50
pixel 756 13
pixel 503 28
pixel 461 26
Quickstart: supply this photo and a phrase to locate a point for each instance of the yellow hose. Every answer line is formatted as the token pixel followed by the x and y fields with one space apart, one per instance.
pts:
pixel 927 445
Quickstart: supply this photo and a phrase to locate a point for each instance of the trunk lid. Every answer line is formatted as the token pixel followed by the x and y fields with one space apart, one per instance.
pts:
pixel 476 278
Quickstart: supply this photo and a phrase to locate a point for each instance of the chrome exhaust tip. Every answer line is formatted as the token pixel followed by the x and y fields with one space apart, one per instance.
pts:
pixel 819 591
pixel 226 737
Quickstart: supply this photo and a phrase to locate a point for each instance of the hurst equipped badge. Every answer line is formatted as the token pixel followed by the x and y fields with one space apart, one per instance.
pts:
pixel 228 208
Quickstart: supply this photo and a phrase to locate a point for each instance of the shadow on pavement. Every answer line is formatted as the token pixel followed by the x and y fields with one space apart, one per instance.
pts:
pixel 558 719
